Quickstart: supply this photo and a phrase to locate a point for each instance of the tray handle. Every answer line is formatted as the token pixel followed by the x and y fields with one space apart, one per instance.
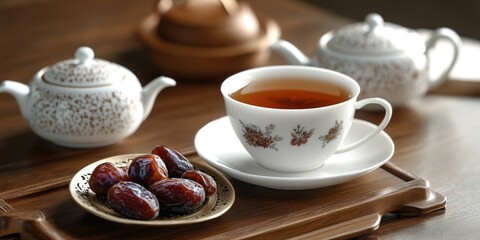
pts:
pixel 345 230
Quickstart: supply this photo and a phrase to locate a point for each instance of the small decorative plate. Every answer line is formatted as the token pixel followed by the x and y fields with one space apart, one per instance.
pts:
pixel 213 207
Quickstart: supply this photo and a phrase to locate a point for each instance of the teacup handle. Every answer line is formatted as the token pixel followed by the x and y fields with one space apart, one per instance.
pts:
pixel 380 127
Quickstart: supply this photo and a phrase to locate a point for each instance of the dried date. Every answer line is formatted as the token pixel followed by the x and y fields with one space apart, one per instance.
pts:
pixel 147 169
pixel 178 195
pixel 104 176
pixel 176 163
pixel 133 201
pixel 204 179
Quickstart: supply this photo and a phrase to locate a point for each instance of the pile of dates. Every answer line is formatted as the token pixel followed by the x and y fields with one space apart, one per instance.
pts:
pixel 161 182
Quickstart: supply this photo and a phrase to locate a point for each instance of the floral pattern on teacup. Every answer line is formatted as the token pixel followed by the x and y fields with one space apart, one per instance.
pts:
pixel 300 136
pixel 332 134
pixel 255 137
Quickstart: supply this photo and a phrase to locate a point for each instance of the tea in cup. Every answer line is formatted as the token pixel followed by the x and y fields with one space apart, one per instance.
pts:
pixel 293 118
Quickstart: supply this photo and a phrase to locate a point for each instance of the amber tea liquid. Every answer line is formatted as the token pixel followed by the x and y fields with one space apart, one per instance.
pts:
pixel 291 93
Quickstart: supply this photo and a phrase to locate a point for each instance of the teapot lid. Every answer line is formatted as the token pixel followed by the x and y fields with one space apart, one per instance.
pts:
pixel 374 36
pixel 212 23
pixel 83 71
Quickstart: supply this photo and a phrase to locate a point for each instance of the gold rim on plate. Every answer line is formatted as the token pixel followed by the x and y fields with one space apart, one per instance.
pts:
pixel 213 207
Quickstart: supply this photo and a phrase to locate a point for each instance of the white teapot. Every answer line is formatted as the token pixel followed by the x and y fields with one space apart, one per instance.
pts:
pixel 387 60
pixel 85 102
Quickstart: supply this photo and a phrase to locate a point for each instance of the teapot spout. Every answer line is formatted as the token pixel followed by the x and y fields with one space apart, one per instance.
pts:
pixel 151 90
pixel 20 91
pixel 291 53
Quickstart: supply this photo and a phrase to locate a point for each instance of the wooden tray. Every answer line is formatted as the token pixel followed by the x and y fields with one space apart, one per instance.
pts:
pixel 343 211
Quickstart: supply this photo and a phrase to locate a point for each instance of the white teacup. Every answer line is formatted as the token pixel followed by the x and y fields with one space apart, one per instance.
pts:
pixel 295 140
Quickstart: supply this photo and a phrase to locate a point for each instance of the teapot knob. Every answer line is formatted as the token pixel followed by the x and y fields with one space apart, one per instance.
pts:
pixel 229 6
pixel 373 21
pixel 84 55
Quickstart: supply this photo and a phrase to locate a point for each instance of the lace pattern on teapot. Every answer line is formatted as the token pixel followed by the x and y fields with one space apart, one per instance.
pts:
pixel 397 76
pixel 88 114
pixel 70 73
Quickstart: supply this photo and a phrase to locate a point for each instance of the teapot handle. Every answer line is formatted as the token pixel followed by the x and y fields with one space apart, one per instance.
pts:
pixel 454 39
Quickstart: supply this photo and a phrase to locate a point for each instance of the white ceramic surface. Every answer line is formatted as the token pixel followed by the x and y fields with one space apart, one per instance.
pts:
pixel 275 136
pixel 217 144
pixel 387 60
pixel 85 102
pixel 214 206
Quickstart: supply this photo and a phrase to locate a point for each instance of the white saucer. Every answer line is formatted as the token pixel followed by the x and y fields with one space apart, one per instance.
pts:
pixel 217 144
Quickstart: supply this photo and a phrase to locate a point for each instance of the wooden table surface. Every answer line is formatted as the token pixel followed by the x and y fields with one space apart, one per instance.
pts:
pixel 436 137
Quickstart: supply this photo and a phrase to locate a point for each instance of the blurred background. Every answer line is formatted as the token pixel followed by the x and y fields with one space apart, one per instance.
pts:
pixel 461 15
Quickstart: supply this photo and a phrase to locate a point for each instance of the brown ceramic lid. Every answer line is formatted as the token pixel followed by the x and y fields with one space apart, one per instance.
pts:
pixel 207 23
pixel 83 71
pixel 374 36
